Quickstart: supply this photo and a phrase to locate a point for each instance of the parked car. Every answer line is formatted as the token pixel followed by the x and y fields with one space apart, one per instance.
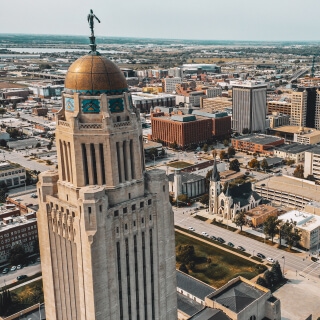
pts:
pixel 205 234
pixel 213 238
pixel 5 270
pixel 230 244
pixel 221 240
pixel 191 228
pixel 13 268
pixel 23 276
pixel 271 260
pixel 241 248
pixel 19 266
pixel 260 255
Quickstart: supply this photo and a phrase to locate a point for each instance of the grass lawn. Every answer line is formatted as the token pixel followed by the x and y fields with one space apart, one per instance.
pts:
pixel 224 266
pixel 179 164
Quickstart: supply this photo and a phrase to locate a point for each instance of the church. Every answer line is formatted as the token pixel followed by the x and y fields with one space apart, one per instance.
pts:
pixel 106 228
pixel 227 204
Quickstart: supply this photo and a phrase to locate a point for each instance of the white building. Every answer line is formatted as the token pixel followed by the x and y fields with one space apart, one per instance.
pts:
pixel 12 174
pixel 249 106
pixel 170 84
pixel 309 226
pixel 312 163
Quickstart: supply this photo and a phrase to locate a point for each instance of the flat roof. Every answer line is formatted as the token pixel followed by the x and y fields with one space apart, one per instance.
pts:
pixel 291 129
pixel 300 187
pixel 258 138
pixel 303 219
pixel 187 305
pixel 294 148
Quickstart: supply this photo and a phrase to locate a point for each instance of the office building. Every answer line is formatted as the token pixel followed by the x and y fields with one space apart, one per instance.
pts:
pixel 249 106
pixel 298 108
pixel 106 226
pixel 169 84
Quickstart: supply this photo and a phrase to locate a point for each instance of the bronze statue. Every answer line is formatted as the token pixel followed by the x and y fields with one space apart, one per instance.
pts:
pixel 91 17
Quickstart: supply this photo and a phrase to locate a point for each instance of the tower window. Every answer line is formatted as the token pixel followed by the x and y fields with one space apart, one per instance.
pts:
pixel 126 226
pixel 141 204
pixel 164 188
pixel 149 202
pixel 118 119
pixel 129 195
pixel 100 208
pixel 134 223
pixel 116 213
pixel 117 229
pixel 133 207
pixel 142 220
pixel 150 217
pixel 89 209
pixel 125 210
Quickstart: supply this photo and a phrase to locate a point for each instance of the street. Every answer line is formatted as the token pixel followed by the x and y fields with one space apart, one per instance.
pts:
pixel 297 262
pixel 11 276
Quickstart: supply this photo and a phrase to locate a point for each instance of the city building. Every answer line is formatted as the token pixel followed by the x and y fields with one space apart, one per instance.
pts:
pixel 308 225
pixel 249 106
pixel 312 163
pixel 317 111
pixel 197 68
pixel 307 136
pixel 283 107
pixel 298 108
pixel 106 226
pixel 257 216
pixel 256 143
pixel 12 174
pixel 278 119
pixel 227 204
pixel 292 151
pixel 146 101
pixel 175 72
pixel 169 84
pixel 16 229
pixel 215 104
pixel 242 299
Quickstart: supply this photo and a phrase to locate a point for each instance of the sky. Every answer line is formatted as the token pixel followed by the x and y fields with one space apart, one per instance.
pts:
pixel 256 20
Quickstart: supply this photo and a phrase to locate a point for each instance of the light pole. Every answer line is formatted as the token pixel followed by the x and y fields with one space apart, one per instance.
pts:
pixel 284 260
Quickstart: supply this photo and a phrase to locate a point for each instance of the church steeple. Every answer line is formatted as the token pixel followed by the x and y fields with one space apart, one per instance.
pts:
pixel 215 174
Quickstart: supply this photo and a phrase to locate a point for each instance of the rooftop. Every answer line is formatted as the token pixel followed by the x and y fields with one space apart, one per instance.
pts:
pixel 303 219
pixel 237 296
pixel 258 138
pixel 187 305
pixel 294 148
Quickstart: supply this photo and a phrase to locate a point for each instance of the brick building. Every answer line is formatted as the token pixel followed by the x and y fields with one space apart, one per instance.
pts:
pixel 258 215
pixel 256 143
pixel 186 130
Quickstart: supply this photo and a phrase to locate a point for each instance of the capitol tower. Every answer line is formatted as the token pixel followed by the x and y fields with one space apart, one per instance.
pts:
pixel 106 227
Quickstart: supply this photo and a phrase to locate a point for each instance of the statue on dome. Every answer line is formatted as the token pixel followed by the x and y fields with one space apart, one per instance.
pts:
pixel 91 17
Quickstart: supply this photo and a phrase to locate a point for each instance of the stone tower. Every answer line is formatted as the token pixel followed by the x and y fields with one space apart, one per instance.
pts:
pixel 214 189
pixel 106 227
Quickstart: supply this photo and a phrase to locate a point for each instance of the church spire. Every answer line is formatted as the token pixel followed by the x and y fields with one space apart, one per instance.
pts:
pixel 215 174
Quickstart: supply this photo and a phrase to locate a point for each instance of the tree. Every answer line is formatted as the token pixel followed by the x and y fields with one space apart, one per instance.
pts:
pixel 38 145
pixel 183 268
pixel 214 153
pixel 240 219
pixel 3 143
pixel 13 132
pixel 269 278
pixel 231 151
pixel 290 233
pixel 205 199
pixel 205 147
pixel 254 163
pixel 3 111
pixel 49 146
pixel 299 171
pixel 222 154
pixel 264 164
pixel 271 226
pixel 3 191
pixel 183 198
pixel 234 165
pixel 185 253
pixel 262 282
pixel 17 255
pixel 277 273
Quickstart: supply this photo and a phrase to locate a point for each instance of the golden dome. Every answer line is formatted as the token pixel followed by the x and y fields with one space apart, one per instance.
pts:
pixel 94 74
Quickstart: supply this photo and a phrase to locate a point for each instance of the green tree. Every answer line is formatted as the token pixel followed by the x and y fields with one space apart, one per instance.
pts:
pixel 3 111
pixel 277 273
pixel 3 191
pixel 240 219
pixel 264 164
pixel 17 255
pixel 245 131
pixel 205 199
pixel 290 233
pixel 183 268
pixel 222 154
pixel 254 163
pixel 271 226
pixel 231 151
pixel 269 278
pixel 262 282
pixel 299 171
pixel 13 132
pixel 185 253
pixel 234 165
pixel 183 198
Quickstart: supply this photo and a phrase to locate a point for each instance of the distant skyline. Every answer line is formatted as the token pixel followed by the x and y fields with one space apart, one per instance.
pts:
pixel 250 20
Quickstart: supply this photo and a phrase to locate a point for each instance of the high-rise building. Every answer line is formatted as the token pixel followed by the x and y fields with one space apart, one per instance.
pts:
pixel 298 108
pixel 169 84
pixel 249 106
pixel 106 226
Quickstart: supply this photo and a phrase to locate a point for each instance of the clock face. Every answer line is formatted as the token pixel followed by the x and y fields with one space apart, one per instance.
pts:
pixel 69 104
pixel 116 105
pixel 90 106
